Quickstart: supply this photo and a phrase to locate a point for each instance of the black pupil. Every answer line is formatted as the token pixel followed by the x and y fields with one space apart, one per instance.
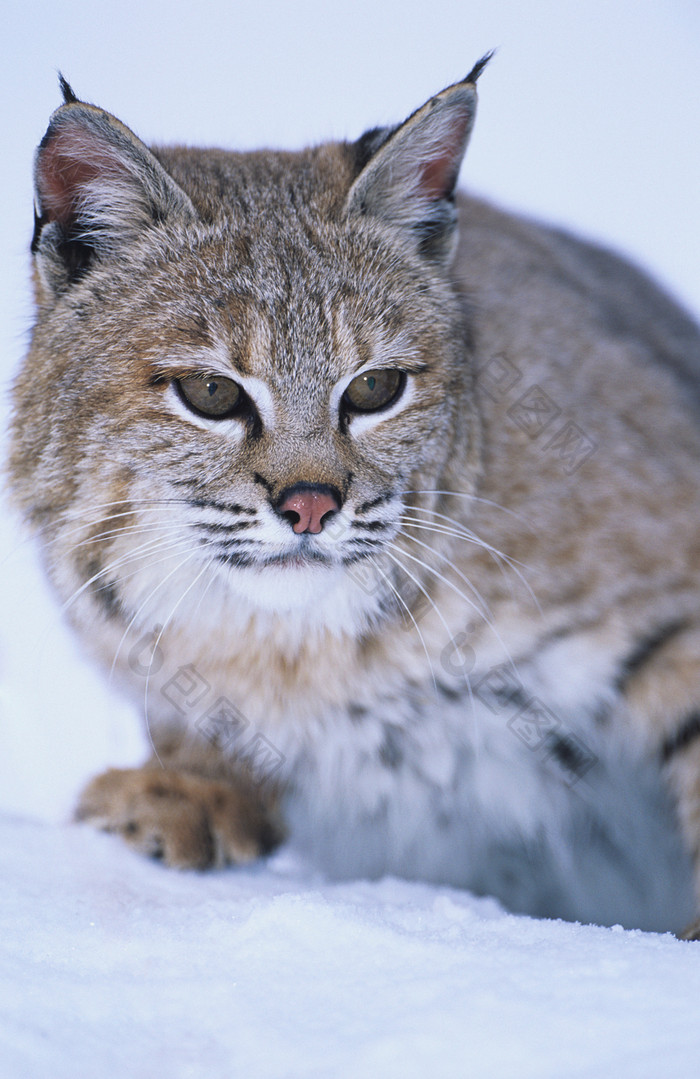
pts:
pixel 212 387
pixel 374 390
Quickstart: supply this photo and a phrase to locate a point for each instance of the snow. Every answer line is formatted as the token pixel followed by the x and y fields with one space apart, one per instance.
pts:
pixel 115 967
pixel 112 966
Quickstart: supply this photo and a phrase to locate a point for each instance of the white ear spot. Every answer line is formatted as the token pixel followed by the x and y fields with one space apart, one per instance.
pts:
pixel 216 362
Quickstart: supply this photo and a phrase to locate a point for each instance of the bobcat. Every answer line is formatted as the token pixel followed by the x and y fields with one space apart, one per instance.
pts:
pixel 384 504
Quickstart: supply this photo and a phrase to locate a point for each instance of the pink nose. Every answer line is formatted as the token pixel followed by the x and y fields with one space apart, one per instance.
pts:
pixel 305 508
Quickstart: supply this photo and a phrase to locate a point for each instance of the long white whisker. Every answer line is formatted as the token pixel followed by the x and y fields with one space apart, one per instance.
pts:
pixel 473 498
pixel 120 531
pixel 210 564
pixel 92 514
pixel 438 529
pixel 442 530
pixel 440 576
pixel 460 593
pixel 164 626
pixel 432 603
pixel 147 548
pixel 161 582
pixel 87 523
pixel 410 614
pixel 486 613
pixel 133 619
pixel 468 534
pixel 498 556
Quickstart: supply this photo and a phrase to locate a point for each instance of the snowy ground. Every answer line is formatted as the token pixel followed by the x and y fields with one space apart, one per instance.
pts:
pixel 113 967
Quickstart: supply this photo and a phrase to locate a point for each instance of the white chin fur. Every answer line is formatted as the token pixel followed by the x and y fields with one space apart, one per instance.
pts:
pixel 320 596
pixel 286 588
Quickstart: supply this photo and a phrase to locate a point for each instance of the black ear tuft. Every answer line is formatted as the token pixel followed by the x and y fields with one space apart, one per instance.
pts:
pixel 408 174
pixel 66 89
pixel 98 189
pixel 479 67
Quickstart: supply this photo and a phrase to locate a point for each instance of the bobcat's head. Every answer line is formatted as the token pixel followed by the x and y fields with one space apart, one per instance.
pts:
pixel 248 370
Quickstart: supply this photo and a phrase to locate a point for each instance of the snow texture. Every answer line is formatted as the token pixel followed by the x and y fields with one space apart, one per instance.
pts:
pixel 113 967
pixel 116 967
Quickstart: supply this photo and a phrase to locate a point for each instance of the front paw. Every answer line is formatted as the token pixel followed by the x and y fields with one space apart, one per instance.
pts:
pixel 186 821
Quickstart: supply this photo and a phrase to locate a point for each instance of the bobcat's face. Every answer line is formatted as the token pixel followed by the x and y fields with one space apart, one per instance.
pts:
pixel 263 426
pixel 243 400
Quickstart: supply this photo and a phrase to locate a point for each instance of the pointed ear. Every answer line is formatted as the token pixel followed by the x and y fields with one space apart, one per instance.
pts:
pixel 97 188
pixel 409 180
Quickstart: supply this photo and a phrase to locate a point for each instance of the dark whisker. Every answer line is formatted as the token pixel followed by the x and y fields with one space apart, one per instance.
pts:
pixel 230 507
pixel 372 526
pixel 238 526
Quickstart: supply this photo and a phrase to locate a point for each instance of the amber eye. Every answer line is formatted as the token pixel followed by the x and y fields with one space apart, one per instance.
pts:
pixel 373 390
pixel 217 398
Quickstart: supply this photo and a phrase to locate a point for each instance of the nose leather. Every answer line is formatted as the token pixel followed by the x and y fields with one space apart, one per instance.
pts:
pixel 306 507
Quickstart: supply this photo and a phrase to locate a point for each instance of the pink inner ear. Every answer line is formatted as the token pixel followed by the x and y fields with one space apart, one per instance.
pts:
pixel 438 175
pixel 67 163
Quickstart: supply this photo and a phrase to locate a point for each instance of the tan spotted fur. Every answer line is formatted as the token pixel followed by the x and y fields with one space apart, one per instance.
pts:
pixel 556 551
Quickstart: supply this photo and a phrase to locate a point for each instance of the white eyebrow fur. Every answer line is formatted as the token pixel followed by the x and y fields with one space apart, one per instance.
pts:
pixel 216 361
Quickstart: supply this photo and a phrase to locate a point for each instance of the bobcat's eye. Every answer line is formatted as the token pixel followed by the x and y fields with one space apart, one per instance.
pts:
pixel 373 390
pixel 217 398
